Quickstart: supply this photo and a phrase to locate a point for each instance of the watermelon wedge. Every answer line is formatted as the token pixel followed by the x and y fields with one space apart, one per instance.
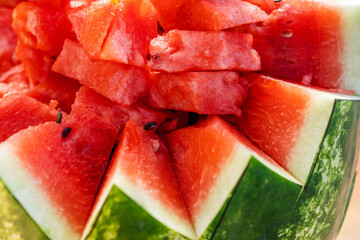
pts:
pixel 59 157
pixel 324 55
pixel 140 193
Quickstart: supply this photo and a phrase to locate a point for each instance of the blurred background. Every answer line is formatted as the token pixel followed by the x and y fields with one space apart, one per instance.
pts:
pixel 351 227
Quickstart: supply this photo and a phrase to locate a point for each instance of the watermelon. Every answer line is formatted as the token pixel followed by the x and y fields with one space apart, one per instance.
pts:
pixel 287 114
pixel 103 75
pixel 8 39
pixel 323 55
pixel 207 14
pixel 179 119
pixel 186 91
pixel 179 51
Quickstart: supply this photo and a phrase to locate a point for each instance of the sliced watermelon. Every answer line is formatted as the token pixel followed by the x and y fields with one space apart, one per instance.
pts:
pixel 18 111
pixel 121 83
pixel 140 194
pixel 96 26
pixel 280 116
pixel 179 51
pixel 266 5
pixel 67 155
pixel 207 14
pixel 205 156
pixel 46 85
pixel 193 91
pixel 40 27
pixel 129 36
pixel 14 81
pixel 322 55
pixel 8 39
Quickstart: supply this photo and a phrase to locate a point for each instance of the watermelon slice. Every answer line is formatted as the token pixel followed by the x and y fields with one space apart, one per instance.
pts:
pixel 179 51
pixel 121 83
pixel 70 153
pixel 14 81
pixel 140 194
pixel 193 91
pixel 287 114
pixel 323 55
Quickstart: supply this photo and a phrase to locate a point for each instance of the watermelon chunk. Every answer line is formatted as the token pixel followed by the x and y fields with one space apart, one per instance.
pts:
pixel 178 51
pixel 193 91
pixel 207 14
pixel 280 117
pixel 322 55
pixel 14 81
pixel 129 36
pixel 121 83
pixel 140 192
pixel 70 153
pixel 96 26
pixel 40 27
pixel 18 111
pixel 8 39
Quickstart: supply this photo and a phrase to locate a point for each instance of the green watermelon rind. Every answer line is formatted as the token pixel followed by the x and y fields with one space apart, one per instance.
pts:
pixel 122 218
pixel 15 223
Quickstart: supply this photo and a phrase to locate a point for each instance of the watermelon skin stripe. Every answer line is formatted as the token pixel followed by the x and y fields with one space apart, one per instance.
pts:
pixel 122 218
pixel 15 223
pixel 262 199
pixel 321 208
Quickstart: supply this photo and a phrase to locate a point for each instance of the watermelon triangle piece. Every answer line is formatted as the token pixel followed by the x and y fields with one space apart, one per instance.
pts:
pixel 288 121
pixel 56 175
pixel 140 192
pixel 205 157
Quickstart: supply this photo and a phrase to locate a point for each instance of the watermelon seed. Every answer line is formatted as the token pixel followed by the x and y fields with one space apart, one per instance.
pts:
pixel 287 34
pixel 150 126
pixel 66 132
pixel 277 0
pixel 59 117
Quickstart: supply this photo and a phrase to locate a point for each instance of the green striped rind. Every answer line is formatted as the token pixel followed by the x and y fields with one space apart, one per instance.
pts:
pixel 122 218
pixel 261 201
pixel 322 206
pixel 15 224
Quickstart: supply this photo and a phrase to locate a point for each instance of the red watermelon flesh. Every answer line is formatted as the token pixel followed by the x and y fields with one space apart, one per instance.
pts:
pixel 200 92
pixel 14 81
pixel 266 98
pixel 46 85
pixel 91 101
pixel 267 5
pixel 9 3
pixel 179 51
pixel 120 83
pixel 8 39
pixel 207 14
pixel 40 27
pixel 290 49
pixel 96 26
pixel 18 111
pixel 77 18
pixel 130 33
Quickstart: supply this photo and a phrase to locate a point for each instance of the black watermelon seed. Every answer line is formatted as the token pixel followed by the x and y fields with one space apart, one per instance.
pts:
pixel 59 117
pixel 150 126
pixel 66 132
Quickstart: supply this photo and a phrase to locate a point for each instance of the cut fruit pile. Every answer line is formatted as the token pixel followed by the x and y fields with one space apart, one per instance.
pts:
pixel 181 119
